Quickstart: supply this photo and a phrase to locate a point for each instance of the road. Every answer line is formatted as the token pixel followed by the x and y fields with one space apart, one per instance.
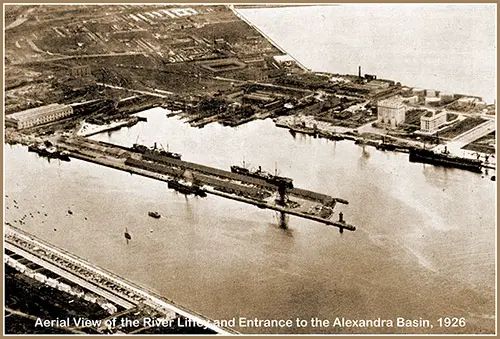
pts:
pixel 155 94
pixel 471 135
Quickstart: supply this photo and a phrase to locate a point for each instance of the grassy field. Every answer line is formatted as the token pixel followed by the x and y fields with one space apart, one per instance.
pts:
pixel 460 127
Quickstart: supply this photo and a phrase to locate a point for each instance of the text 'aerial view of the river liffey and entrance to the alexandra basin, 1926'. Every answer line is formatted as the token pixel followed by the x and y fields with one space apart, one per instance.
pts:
pixel 217 168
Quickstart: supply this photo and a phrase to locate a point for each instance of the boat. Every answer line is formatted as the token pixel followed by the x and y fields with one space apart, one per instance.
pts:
pixel 139 148
pixel 155 215
pixel 33 148
pixel 155 151
pixel 127 235
pixel 50 152
pixel 53 153
pixel 186 188
pixel 444 158
pixel 302 128
pixel 259 173
pixel 336 137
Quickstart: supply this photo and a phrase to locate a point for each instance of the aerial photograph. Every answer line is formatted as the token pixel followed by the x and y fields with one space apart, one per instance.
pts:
pixel 177 168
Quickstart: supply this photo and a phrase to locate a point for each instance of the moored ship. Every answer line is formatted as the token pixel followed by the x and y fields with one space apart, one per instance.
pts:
pixel 185 188
pixel 444 159
pixel 156 151
pixel 259 173
pixel 302 128
pixel 49 151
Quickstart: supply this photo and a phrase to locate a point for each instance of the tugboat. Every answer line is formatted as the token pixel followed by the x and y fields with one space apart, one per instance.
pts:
pixel 336 137
pixel 384 146
pixel 49 151
pixel 53 153
pixel 155 215
pixel 185 188
pixel 444 158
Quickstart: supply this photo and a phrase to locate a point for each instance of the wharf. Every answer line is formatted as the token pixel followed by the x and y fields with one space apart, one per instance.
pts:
pixel 306 204
pixel 87 129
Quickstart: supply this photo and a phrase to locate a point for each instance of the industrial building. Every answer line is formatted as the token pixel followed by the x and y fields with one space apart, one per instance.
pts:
pixel 391 111
pixel 81 71
pixel 38 116
pixel 284 60
pixel 432 121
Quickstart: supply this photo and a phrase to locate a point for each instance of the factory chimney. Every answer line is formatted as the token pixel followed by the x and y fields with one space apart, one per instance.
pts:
pixel 359 71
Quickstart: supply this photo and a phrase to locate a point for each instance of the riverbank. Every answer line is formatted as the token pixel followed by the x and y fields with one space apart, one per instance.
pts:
pixel 309 126
pixel 400 193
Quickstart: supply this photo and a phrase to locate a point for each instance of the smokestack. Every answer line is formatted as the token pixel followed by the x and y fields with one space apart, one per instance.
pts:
pixel 359 71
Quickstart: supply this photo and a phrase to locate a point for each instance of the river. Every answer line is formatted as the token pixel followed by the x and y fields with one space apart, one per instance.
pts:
pixel 424 244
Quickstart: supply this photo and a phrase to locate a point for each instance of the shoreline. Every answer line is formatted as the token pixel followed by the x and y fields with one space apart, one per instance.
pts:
pixel 409 82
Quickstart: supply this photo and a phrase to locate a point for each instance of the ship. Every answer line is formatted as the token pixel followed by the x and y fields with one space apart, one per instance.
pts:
pixel 336 137
pixel 259 173
pixel 155 215
pixel 49 151
pixel 53 153
pixel 186 188
pixel 155 151
pixel 302 128
pixel 444 158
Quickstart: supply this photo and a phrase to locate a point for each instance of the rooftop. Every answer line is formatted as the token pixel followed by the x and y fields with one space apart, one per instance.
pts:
pixel 35 112
pixel 394 102
pixel 431 115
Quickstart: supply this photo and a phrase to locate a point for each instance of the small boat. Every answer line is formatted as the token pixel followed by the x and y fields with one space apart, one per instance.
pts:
pixel 155 215
pixel 127 235
pixel 186 188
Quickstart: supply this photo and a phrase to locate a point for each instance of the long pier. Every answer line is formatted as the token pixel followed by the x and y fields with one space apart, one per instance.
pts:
pixel 251 190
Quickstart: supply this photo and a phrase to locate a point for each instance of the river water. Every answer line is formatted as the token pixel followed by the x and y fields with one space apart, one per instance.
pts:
pixel 424 244
pixel 447 47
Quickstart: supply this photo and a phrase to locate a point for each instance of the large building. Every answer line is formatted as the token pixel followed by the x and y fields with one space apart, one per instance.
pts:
pixel 81 70
pixel 38 116
pixel 284 60
pixel 430 122
pixel 391 112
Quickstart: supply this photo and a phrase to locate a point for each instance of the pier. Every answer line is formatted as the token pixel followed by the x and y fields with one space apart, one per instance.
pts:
pixel 243 188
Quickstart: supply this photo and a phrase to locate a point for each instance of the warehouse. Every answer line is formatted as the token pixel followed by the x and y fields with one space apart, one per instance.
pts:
pixel 38 116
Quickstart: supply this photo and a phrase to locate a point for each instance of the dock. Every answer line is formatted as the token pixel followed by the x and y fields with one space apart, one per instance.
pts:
pixel 243 188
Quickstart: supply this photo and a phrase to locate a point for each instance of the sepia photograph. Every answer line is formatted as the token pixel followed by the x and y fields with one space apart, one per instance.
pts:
pixel 249 168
